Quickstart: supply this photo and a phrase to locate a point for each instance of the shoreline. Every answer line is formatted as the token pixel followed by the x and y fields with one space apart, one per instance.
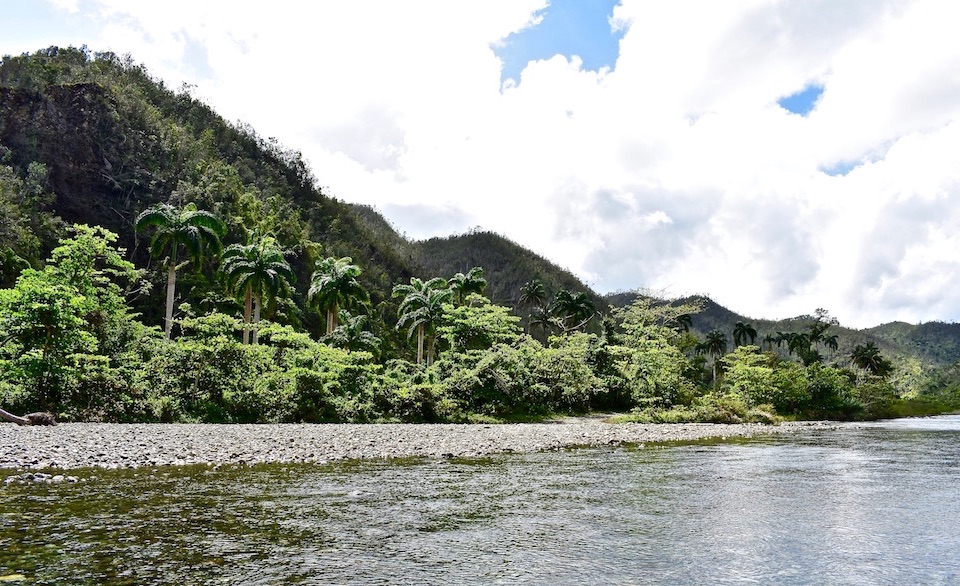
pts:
pixel 71 446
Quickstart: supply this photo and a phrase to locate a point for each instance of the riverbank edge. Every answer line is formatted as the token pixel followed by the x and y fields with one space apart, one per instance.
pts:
pixel 71 446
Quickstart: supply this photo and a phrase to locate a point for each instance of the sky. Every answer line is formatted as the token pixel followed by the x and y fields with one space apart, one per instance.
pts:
pixel 777 155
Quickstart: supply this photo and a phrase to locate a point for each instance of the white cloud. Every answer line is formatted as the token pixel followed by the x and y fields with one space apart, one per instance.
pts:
pixel 676 169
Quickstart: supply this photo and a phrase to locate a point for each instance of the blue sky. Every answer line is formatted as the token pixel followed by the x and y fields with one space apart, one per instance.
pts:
pixel 802 102
pixel 778 156
pixel 567 27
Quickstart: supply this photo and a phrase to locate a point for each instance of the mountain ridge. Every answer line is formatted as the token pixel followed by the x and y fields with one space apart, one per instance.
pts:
pixel 115 141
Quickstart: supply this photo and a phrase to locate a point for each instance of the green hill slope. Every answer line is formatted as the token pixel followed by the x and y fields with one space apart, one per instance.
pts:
pixel 113 141
pixel 93 138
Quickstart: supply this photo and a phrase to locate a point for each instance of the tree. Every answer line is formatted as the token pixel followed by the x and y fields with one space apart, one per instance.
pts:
pixel 421 309
pixel 573 310
pixel 464 285
pixel 351 334
pixel 197 231
pixel 334 286
pixel 769 340
pixel 682 323
pixel 650 318
pixel 45 320
pixel 533 294
pixel 742 332
pixel 259 273
pixel 542 318
pixel 714 344
pixel 74 306
pixel 831 341
pixel 867 356
pixel 478 325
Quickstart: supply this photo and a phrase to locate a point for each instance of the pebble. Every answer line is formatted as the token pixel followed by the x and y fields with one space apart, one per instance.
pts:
pixel 115 446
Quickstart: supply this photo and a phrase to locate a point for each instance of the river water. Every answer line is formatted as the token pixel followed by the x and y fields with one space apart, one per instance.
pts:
pixel 865 504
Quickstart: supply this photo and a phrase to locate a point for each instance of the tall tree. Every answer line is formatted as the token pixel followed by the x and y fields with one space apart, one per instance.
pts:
pixel 769 340
pixel 867 356
pixel 533 293
pixel 421 309
pixel 334 286
pixel 463 285
pixel 198 232
pixel 743 332
pixel 259 273
pixel 352 334
pixel 574 310
pixel 714 344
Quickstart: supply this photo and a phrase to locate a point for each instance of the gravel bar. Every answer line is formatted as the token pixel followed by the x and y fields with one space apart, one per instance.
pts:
pixel 99 445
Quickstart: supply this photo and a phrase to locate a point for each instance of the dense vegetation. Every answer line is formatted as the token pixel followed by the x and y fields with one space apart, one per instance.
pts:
pixel 160 264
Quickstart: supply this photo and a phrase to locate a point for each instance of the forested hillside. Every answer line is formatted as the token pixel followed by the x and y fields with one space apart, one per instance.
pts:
pixel 160 263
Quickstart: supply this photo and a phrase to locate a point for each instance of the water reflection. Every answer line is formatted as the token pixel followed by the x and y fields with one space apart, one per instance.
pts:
pixel 873 504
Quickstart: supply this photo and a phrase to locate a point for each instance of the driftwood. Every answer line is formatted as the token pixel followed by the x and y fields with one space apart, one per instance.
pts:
pixel 30 418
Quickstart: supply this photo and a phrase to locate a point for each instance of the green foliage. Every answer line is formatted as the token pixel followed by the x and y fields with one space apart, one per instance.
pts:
pixel 478 325
pixel 651 372
pixel 74 307
pixel 464 285
pixel 43 322
pixel 92 138
pixel 259 273
pixel 710 408
pixel 334 286
pixel 24 219
pixel 197 231
pixel 421 309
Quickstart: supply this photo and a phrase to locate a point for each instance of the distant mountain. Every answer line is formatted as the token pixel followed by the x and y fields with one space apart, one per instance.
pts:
pixel 935 343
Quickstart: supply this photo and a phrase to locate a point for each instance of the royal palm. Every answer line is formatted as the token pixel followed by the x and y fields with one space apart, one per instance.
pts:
pixel 195 231
pixel 420 310
pixel 259 272
pixel 334 286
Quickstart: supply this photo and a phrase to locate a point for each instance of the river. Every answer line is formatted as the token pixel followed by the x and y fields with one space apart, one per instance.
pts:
pixel 863 504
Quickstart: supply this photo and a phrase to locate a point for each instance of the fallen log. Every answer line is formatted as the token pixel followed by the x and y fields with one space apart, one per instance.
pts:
pixel 30 418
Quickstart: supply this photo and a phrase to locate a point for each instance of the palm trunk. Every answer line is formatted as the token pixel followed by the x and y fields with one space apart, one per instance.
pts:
pixel 430 351
pixel 420 344
pixel 247 310
pixel 256 320
pixel 332 318
pixel 171 287
pixel 714 373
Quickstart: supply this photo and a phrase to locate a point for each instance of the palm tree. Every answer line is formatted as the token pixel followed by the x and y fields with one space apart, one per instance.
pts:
pixel 575 307
pixel 197 231
pixel 463 285
pixel 781 338
pixel 867 356
pixel 259 272
pixel 770 340
pixel 541 317
pixel 334 286
pixel 420 310
pixel 714 344
pixel 743 331
pixel 351 334
pixel 831 341
pixel 533 293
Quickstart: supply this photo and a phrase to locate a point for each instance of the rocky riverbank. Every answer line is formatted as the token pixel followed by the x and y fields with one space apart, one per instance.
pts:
pixel 94 445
